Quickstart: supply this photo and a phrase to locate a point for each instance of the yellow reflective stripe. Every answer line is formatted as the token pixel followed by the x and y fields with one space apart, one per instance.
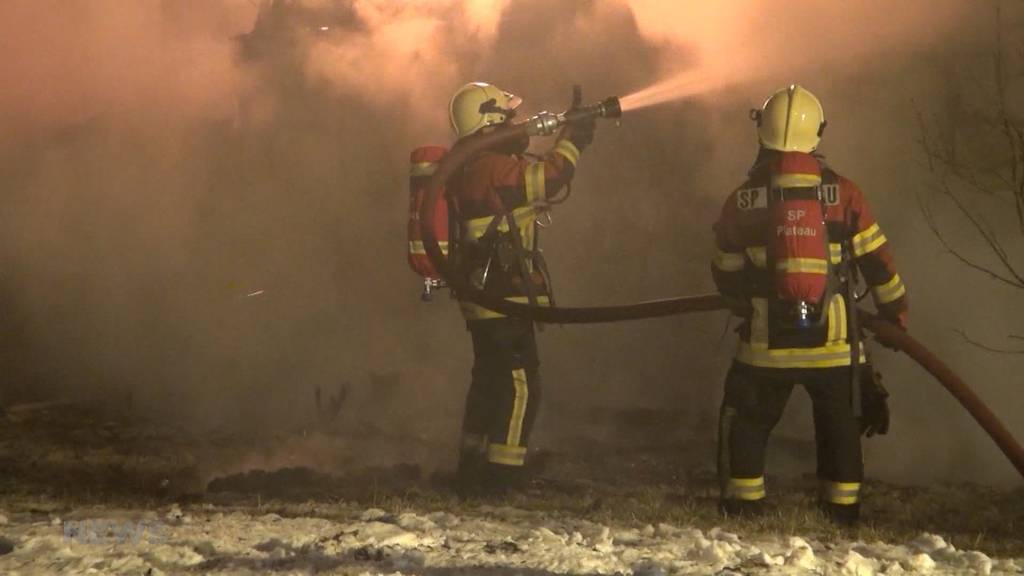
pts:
pixel 802 265
pixel 505 454
pixel 868 241
pixel 535 182
pixel 837 320
pixel 527 230
pixel 759 323
pixel 891 290
pixel 795 180
pixel 745 488
pixel 524 217
pixel 569 150
pixel 422 168
pixel 835 252
pixel 416 247
pixel 472 311
pixel 729 261
pixel 833 322
pixel 758 255
pixel 829 356
pixel 515 424
pixel 840 492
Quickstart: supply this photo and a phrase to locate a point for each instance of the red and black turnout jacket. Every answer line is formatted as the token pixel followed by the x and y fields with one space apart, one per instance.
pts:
pixel 741 267
pixel 493 184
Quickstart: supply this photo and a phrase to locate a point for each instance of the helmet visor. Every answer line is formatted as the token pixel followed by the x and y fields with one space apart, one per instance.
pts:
pixel 508 111
pixel 514 102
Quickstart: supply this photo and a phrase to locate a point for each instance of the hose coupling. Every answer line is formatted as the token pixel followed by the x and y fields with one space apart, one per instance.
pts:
pixel 544 124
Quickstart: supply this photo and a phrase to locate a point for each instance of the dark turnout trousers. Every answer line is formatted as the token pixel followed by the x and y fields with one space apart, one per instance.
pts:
pixel 754 401
pixel 502 402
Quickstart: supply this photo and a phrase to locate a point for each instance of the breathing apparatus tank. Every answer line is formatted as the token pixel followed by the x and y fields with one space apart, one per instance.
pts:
pixel 423 163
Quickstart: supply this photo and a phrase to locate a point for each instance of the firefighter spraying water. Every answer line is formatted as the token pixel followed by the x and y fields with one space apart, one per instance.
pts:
pixel 491 217
pixel 424 162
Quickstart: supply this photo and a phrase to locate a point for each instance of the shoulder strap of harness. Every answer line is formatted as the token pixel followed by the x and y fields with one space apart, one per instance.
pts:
pixel 847 273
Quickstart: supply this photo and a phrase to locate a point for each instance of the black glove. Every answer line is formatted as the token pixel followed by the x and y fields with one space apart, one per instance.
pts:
pixel 896 314
pixel 874 403
pixel 582 133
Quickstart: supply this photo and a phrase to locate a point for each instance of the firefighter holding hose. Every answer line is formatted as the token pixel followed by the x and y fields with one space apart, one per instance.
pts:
pixel 792 242
pixel 497 201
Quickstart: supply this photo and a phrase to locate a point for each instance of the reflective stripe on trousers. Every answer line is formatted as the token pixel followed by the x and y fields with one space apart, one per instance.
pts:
pixel 842 493
pixel 745 488
pixel 512 453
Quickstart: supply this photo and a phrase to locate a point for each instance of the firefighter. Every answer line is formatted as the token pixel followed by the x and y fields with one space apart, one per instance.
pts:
pixel 816 247
pixel 502 185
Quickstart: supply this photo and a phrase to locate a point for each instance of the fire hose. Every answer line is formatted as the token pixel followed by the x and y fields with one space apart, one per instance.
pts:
pixel 547 123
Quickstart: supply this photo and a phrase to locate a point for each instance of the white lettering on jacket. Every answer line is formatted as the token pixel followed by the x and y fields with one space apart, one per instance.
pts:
pixel 795 231
pixel 795 215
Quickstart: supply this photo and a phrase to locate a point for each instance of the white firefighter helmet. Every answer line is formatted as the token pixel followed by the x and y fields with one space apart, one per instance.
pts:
pixel 791 120
pixel 479 104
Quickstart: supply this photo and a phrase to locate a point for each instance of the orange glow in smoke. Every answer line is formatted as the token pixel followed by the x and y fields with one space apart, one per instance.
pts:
pixel 750 42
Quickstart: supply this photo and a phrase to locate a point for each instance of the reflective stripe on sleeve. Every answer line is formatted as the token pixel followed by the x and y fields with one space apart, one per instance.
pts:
pixel 844 493
pixel 802 266
pixel 568 150
pixel 868 241
pixel 745 488
pixel 729 261
pixel 891 290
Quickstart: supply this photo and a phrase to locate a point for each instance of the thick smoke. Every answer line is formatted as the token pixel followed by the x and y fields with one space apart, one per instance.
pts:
pixel 204 202
pixel 738 44
pixel 147 63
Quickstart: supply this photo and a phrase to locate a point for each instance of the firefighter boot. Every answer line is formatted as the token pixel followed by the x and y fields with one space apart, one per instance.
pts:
pixel 500 479
pixel 847 515
pixel 733 508
pixel 471 472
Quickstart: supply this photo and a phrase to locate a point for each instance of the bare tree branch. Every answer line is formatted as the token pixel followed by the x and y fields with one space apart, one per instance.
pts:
pixel 986 347
pixel 964 172
pixel 957 175
pixel 929 218
pixel 990 238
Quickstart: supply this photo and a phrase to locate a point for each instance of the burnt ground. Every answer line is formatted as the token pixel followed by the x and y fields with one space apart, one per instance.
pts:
pixel 57 457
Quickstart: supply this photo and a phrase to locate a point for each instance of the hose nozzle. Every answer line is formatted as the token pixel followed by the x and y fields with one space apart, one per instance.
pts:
pixel 609 108
pixel 547 123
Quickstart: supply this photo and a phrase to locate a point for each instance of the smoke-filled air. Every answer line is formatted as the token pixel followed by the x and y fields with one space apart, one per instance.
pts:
pixel 203 253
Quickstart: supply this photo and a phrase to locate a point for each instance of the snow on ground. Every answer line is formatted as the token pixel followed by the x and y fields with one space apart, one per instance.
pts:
pixel 206 539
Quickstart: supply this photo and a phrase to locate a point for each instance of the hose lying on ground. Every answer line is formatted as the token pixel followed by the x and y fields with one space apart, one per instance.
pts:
pixel 885 332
